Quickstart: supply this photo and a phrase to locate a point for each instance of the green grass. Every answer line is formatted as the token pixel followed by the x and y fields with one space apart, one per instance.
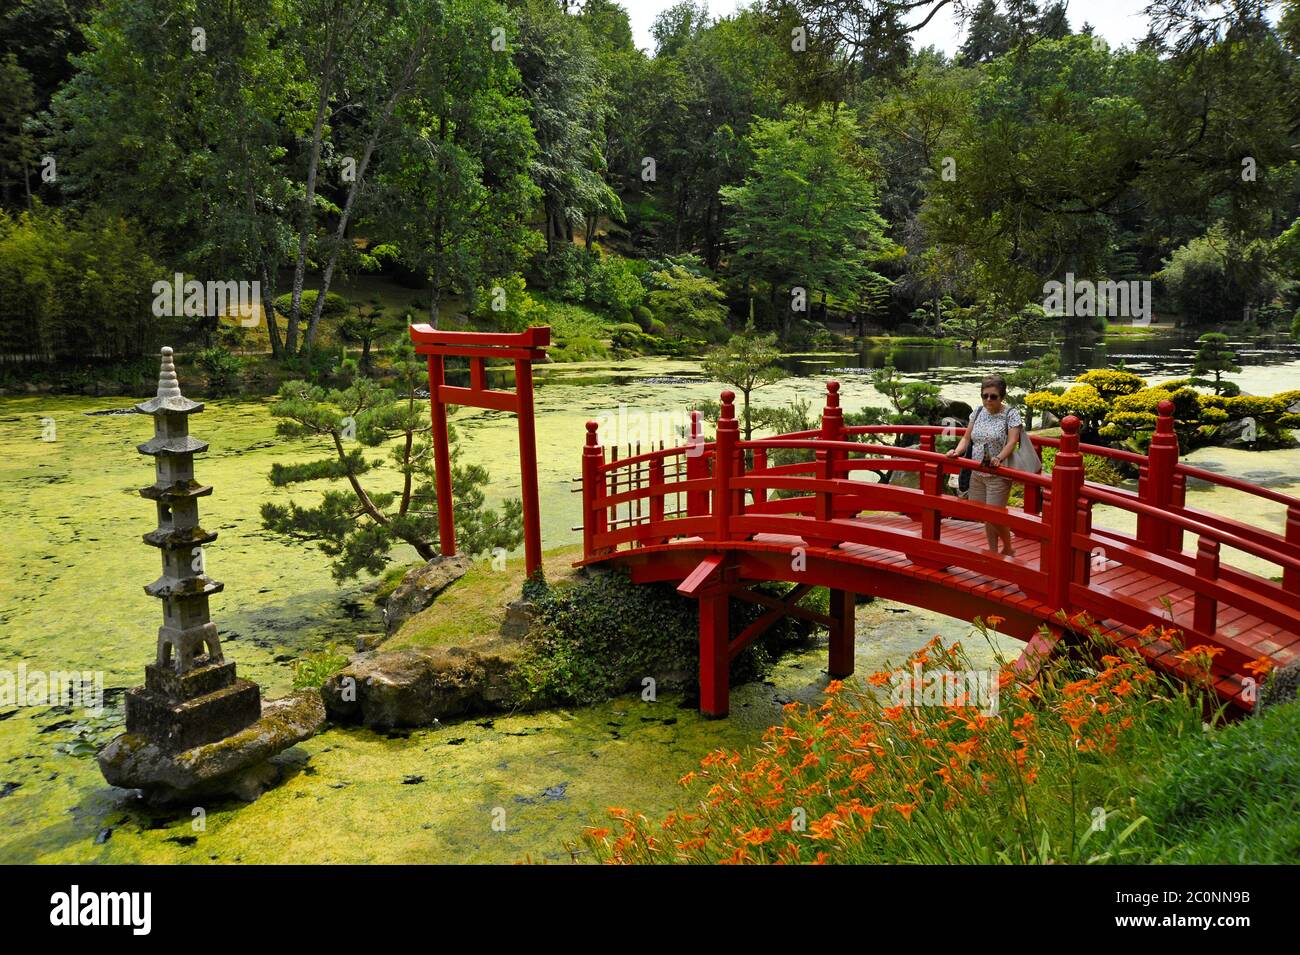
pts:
pixel 1231 795
pixel 470 612
pixel 1136 331
pixel 311 672
pixel 577 332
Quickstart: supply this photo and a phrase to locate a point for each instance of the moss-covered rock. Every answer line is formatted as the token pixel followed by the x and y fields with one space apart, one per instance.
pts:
pixel 418 687
pixel 235 766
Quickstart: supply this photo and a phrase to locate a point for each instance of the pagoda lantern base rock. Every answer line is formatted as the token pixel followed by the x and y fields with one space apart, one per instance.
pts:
pixel 194 729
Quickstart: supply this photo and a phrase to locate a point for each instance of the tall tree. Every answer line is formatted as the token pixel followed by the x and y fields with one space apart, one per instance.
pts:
pixel 178 126
pixel 805 217
pixel 457 192
pixel 17 142
pixel 564 84
pixel 399 45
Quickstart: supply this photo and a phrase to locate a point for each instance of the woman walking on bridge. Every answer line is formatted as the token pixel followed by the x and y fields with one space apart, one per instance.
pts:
pixel 992 435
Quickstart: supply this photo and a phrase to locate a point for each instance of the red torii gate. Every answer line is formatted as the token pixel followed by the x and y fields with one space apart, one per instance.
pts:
pixel 523 348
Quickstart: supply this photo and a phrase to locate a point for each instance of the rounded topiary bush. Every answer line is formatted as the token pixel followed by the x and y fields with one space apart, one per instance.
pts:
pixel 335 305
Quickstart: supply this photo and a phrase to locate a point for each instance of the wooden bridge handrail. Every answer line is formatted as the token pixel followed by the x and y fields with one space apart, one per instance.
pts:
pixel 1237 484
pixel 1097 493
pixel 681 450
pixel 1256 601
pixel 914 454
pixel 1096 450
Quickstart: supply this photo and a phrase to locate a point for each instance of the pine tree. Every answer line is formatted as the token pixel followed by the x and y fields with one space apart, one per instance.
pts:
pixel 358 527
pixel 1214 357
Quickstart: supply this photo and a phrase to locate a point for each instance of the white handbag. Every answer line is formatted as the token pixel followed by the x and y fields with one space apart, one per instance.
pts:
pixel 1024 457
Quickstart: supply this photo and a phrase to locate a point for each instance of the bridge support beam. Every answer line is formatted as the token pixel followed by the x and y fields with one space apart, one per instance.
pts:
pixel 715 652
pixel 842 632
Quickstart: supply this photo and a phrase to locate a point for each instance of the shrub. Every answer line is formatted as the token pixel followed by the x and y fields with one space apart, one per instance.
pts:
pixel 628 336
pixel 336 305
pixel 60 273
pixel 1081 400
pixel 590 639
pixel 506 304
pixel 580 348
pixel 644 317
pixel 615 286
pixel 689 304
pixel 223 370
pixel 1111 383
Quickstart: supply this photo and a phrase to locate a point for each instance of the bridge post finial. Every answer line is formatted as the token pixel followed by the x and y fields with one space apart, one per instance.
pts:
pixel 593 518
pixel 727 465
pixel 832 414
pixel 1070 434
pixel 727 412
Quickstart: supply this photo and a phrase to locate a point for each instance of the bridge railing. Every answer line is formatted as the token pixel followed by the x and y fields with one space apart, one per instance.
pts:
pixel 1211 584
pixel 649 499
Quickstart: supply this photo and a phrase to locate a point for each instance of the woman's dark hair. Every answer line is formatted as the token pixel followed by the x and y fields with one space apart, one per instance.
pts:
pixel 996 381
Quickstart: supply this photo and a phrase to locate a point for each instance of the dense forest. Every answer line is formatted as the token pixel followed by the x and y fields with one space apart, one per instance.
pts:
pixel 800 164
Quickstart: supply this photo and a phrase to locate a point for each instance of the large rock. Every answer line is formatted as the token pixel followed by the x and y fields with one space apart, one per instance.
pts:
pixel 417 687
pixel 1242 433
pixel 234 766
pixel 518 619
pixel 420 587
pixel 1282 686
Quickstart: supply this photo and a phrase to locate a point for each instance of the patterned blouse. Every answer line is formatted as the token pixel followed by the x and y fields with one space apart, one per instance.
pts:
pixel 992 430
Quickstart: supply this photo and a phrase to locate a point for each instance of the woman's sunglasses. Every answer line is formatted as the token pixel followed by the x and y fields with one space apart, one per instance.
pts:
pixel 991 396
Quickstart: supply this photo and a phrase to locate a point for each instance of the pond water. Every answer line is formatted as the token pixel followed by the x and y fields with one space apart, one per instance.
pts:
pixel 72 568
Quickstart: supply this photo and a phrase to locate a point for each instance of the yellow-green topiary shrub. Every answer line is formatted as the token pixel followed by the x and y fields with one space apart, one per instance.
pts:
pixel 1112 383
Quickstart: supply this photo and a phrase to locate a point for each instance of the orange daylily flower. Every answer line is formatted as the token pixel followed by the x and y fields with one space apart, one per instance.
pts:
pixel 1261 666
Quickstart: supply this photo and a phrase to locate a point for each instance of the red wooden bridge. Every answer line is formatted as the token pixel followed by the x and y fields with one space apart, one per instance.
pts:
pixel 717 517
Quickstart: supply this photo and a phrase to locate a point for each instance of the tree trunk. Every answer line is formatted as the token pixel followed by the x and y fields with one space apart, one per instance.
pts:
pixel 268 311
pixel 341 232
pixel 308 217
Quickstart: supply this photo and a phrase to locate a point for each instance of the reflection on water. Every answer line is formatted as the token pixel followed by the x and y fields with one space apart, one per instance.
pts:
pixel 1161 355
pixel 1165 354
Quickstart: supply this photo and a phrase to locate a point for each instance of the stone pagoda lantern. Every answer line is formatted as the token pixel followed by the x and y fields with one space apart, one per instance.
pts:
pixel 190 694
pixel 193 727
